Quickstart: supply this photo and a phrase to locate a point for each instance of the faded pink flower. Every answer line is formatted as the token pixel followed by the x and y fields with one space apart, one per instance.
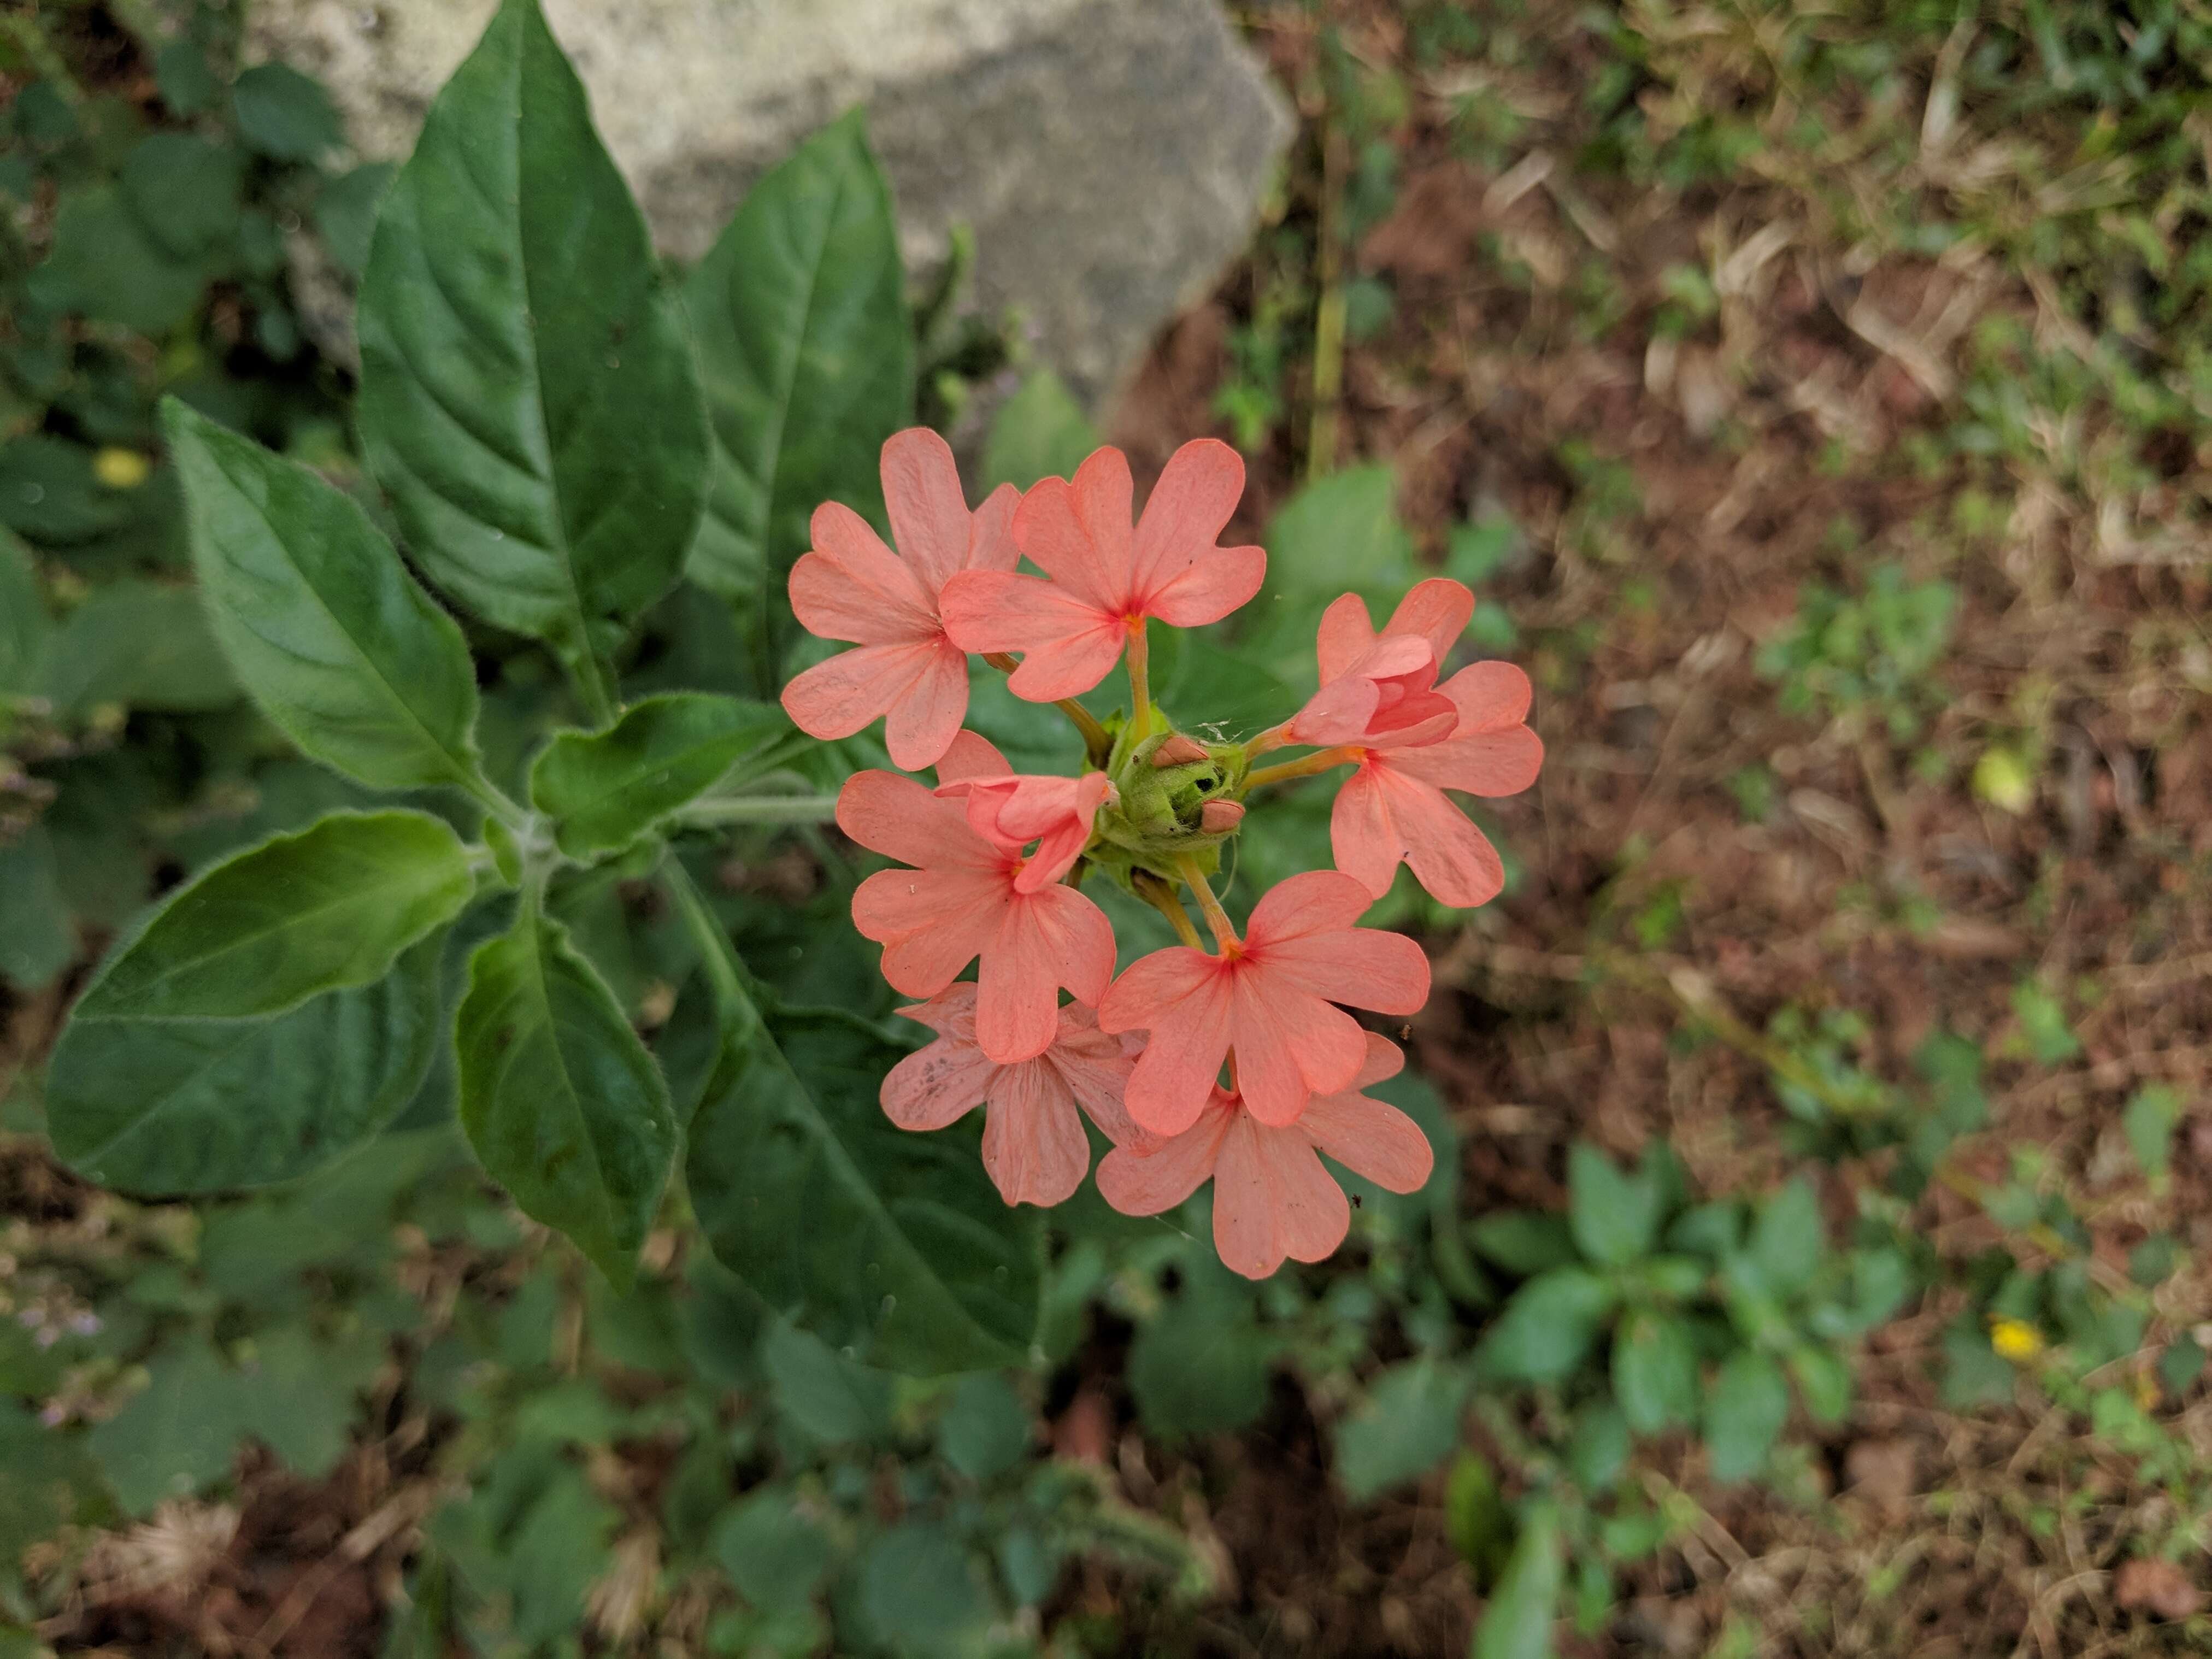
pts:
pixel 1273 1197
pixel 1269 997
pixel 853 587
pixel 1101 580
pixel 962 901
pixel 1034 1146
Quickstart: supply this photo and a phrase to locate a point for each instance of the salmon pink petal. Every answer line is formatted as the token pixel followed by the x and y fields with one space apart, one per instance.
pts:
pixel 1034 1147
pixel 1489 696
pixel 1315 901
pixel 1370 1137
pixel 1411 819
pixel 1190 1036
pixel 922 963
pixel 1149 1184
pixel 1289 1048
pixel 1487 763
pixel 1151 987
pixel 851 578
pixel 1345 636
pixel 991 535
pixel 1187 511
pixel 1361 967
pixel 841 694
pixel 1077 531
pixel 1360 833
pixel 1385 1060
pixel 901 819
pixel 970 755
pixel 937 1086
pixel 1216 582
pixel 1342 710
pixel 1044 940
pixel 951 1012
pixel 1068 645
pixel 1097 1069
pixel 1436 611
pixel 927 715
pixel 929 514
pixel 1273 1199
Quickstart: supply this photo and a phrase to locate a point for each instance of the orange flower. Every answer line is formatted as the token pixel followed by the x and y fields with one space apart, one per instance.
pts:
pixel 1273 1197
pixel 853 587
pixel 1102 581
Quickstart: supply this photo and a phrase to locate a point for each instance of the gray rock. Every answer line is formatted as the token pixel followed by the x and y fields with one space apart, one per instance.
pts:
pixel 1109 155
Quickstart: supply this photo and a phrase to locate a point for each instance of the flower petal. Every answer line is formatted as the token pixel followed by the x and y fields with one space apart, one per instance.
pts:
pixel 851 586
pixel 1450 857
pixel 1313 901
pixel 1151 987
pixel 1360 967
pixel 1490 696
pixel 1175 1076
pixel 928 512
pixel 1345 636
pixel 1068 644
pixel 1436 611
pixel 1216 583
pixel 1044 940
pixel 1096 1068
pixel 844 694
pixel 901 819
pixel 937 1086
pixel 1077 531
pixel 927 715
pixel 991 535
pixel 1290 1046
pixel 1273 1199
pixel 1034 1147
pixel 1486 763
pixel 1187 511
pixel 970 755
pixel 1366 843
pixel 1148 1183
pixel 1370 1137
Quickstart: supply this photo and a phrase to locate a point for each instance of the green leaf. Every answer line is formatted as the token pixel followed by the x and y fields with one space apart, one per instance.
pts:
pixel 1547 1327
pixel 1655 1372
pixel 1517 1623
pixel 285 114
pixel 921 1590
pixel 1598 1449
pixel 23 625
pixel 2149 1122
pixel 1524 1241
pixel 826 1394
pixel 299 1396
pixel 50 1478
pixel 1823 1382
pixel 206 1105
pixel 49 492
pixel 327 908
pixel 141 644
pixel 184 190
pixel 106 266
pixel 527 396
pixel 1343 529
pixel 806 350
pixel 1476 1519
pixel 1745 1411
pixel 606 789
pixel 559 1098
pixel 985 1428
pixel 177 1436
pixel 1408 1424
pixel 1200 1366
pixel 892 1246
pixel 37 940
pixel 1615 1216
pixel 1041 431
pixel 776 1557
pixel 1788 1239
pixel 333 639
pixel 345 212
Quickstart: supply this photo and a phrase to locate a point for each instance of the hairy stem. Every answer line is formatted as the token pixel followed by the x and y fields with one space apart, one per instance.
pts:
pixel 1321 760
pixel 762 808
pixel 1140 680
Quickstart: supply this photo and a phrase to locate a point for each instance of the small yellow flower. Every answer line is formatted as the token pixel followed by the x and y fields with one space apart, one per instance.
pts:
pixel 119 468
pixel 2015 1340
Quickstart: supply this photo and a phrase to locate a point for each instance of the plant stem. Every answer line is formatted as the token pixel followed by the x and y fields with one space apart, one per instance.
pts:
pixel 762 808
pixel 1225 932
pixel 592 690
pixel 1140 680
pixel 718 956
pixel 1321 760
pixel 1095 744
pixel 1162 897
pixel 1273 738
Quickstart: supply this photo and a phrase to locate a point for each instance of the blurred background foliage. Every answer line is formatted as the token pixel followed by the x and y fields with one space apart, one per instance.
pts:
pixel 1820 397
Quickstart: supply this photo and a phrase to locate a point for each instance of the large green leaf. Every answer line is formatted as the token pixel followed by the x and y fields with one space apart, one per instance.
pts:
pixel 606 789
pixel 806 350
pixel 319 618
pixel 329 906
pixel 1407 1425
pixel 891 1246
pixel 527 396
pixel 22 615
pixel 558 1096
pixel 205 1105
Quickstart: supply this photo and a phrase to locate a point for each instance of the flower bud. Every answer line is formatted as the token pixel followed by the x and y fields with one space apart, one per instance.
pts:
pixel 1176 796
pixel 1218 817
pixel 1176 750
